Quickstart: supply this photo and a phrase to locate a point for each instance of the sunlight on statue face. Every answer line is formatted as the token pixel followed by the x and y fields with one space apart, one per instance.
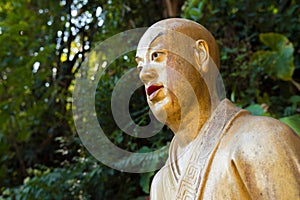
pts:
pixel 166 77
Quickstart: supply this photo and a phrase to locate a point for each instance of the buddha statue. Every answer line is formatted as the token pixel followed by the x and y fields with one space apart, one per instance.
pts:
pixel 218 151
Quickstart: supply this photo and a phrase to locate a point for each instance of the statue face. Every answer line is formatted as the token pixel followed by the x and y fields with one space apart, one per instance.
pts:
pixel 170 81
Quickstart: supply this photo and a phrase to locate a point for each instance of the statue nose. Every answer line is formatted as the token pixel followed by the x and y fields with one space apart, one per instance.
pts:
pixel 148 74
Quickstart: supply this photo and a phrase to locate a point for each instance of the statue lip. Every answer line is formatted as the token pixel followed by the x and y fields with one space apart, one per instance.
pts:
pixel 153 89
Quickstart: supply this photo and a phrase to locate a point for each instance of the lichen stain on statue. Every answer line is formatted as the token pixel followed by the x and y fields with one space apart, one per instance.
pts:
pixel 218 151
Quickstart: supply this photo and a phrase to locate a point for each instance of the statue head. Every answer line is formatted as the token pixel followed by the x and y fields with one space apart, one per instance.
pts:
pixel 175 58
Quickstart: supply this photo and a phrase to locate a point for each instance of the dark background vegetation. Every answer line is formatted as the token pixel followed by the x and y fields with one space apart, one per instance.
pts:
pixel 43 44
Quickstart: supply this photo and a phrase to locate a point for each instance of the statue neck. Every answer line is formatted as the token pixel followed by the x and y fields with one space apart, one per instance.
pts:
pixel 189 126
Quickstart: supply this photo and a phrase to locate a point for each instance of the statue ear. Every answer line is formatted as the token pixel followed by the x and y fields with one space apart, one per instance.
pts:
pixel 201 53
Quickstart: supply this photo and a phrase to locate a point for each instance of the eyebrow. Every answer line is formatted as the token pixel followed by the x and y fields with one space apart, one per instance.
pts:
pixel 157 36
pixel 137 59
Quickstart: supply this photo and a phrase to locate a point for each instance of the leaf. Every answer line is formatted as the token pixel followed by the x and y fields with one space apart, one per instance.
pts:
pixel 145 181
pixel 255 109
pixel 195 13
pixel 279 61
pixel 275 41
pixel 295 99
pixel 292 121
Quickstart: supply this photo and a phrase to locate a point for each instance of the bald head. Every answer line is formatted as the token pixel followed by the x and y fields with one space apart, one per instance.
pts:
pixel 192 30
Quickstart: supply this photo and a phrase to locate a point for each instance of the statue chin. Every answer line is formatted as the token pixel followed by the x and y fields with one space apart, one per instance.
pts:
pixel 159 109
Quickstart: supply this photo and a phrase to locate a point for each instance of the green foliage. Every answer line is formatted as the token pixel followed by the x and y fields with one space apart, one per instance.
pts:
pixel 293 121
pixel 195 9
pixel 278 62
pixel 255 109
pixel 84 180
pixel 145 181
pixel 25 90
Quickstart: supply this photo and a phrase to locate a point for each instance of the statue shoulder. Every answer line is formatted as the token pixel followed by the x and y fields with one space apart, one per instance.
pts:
pixel 251 134
pixel 262 151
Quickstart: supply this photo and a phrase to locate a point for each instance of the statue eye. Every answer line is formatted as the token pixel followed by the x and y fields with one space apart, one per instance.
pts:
pixel 156 55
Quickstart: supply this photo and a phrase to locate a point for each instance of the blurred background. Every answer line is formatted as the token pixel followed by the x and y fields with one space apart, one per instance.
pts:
pixel 43 45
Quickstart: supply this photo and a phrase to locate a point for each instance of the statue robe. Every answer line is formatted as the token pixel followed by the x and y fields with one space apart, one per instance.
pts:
pixel 235 156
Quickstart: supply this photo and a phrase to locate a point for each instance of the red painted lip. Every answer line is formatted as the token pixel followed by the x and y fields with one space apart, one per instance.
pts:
pixel 152 88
